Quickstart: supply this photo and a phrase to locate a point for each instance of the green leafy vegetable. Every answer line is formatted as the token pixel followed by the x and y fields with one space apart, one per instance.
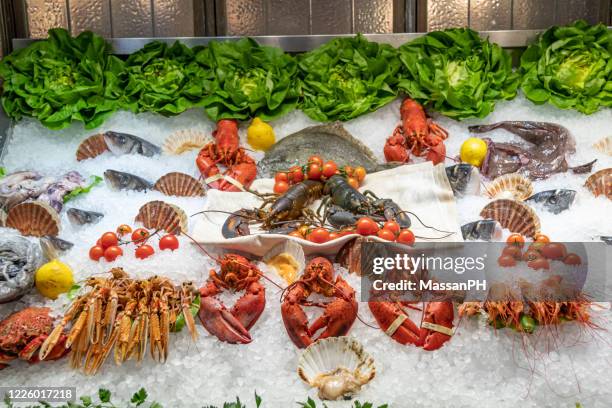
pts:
pixel 180 320
pixel 249 80
pixel 457 73
pixel 164 79
pixel 95 180
pixel 62 79
pixel 570 67
pixel 348 77
pixel 2 172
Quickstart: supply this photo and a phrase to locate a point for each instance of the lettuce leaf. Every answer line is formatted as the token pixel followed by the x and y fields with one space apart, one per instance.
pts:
pixel 95 180
pixel 347 77
pixel 249 80
pixel 570 67
pixel 457 73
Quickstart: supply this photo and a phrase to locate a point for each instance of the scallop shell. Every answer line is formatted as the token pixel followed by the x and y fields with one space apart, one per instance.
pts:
pixel 516 216
pixel 184 140
pixel 91 147
pixel 159 215
pixel 291 254
pixel 34 218
pixel 337 366
pixel 513 186
pixel 604 145
pixel 600 183
pixel 179 184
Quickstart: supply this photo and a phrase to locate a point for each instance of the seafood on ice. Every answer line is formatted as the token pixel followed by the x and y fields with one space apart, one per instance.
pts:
pixel 19 260
pixel 116 142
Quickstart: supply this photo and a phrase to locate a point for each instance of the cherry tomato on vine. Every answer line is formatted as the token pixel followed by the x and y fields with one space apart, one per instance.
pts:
pixel 169 241
pixel 334 235
pixel 353 182
pixel 109 239
pixel 140 235
pixel 297 175
pixel 315 160
pixel 406 237
pixel 516 239
pixel 319 235
pixel 539 263
pixel 572 259
pixel 348 170
pixel 553 250
pixel 281 176
pixel 296 234
pixel 359 173
pixel 329 169
pixel 96 252
pixel 144 251
pixel 366 226
pixel 392 226
pixel 386 234
pixel 112 252
pixel 506 261
pixel 531 255
pixel 513 251
pixel 124 229
pixel 541 238
pixel 281 187
pixel 314 172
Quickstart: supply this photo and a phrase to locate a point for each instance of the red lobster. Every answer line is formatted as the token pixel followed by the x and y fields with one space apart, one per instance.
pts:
pixel 236 274
pixel 436 326
pixel 417 135
pixel 339 314
pixel 226 151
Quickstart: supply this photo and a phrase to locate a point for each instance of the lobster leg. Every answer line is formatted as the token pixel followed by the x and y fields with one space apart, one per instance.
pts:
pixel 294 317
pixel 251 305
pixel 219 321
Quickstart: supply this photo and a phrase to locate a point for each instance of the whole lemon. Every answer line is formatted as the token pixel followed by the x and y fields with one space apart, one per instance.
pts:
pixel 260 135
pixel 54 278
pixel 473 151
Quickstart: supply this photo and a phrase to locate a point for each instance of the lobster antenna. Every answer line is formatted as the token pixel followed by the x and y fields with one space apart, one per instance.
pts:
pixel 425 225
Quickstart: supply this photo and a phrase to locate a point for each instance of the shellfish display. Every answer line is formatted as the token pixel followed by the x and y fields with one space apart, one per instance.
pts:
pixel 514 215
pixel 179 184
pixel 604 145
pixel 159 215
pixel 185 140
pixel 600 183
pixel 91 147
pixel 337 366
pixel 34 218
pixel 514 186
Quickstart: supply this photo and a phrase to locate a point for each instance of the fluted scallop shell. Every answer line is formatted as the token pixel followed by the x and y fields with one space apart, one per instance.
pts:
pixel 158 215
pixel 600 183
pixel 292 255
pixel 91 147
pixel 604 145
pixel 516 216
pixel 337 366
pixel 34 218
pixel 179 184
pixel 184 140
pixel 512 186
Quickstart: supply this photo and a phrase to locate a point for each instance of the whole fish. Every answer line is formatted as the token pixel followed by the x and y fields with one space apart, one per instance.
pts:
pixel 59 244
pixel 464 179
pixel 485 230
pixel 124 143
pixel 119 180
pixel 20 186
pixel 54 195
pixel 82 217
pixel 554 201
pixel 330 140
pixel 606 239
pixel 19 260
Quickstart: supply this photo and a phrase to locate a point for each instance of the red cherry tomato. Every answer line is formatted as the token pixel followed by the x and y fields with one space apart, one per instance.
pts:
pixel 314 172
pixel 359 173
pixel 386 234
pixel 392 226
pixel 366 226
pixel 140 235
pixel 572 259
pixel 112 252
pixel 296 234
pixel 315 160
pixel 539 263
pixel 297 175
pixel 554 250
pixel 329 169
pixel 531 255
pixel 109 239
pixel 513 251
pixel 516 239
pixel 348 170
pixel 99 242
pixel 124 229
pixel 169 241
pixel 506 261
pixel 319 235
pixel 281 176
pixel 536 246
pixel 334 235
pixel 541 238
pixel 281 187
pixel 353 182
pixel 96 252
pixel 406 237
pixel 144 251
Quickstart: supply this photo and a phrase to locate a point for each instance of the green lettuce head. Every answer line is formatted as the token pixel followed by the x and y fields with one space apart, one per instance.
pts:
pixel 457 73
pixel 62 79
pixel 249 80
pixel 348 77
pixel 164 79
pixel 570 67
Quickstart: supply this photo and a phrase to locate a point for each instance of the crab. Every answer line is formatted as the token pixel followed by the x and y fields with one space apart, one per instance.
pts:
pixel 22 333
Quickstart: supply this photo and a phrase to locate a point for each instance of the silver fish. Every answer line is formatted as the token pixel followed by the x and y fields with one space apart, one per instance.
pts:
pixel 20 186
pixel 59 244
pixel 54 195
pixel 19 260
pixel 119 180
pixel 124 143
pixel 554 201
pixel 606 240
pixel 330 140
pixel 82 217
pixel 486 230
pixel 464 179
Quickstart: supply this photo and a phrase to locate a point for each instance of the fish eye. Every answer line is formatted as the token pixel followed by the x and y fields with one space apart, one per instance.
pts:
pixel 553 200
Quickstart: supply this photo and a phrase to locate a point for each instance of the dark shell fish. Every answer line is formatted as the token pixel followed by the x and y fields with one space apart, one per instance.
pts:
pixel 546 152
pixel 606 240
pixel 19 260
pixel 485 230
pixel 124 143
pixel 330 140
pixel 119 180
pixel 464 179
pixel 554 201
pixel 82 217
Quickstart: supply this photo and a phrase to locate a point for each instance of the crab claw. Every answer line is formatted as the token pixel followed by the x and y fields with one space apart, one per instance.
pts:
pixel 29 352
pixel 221 323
